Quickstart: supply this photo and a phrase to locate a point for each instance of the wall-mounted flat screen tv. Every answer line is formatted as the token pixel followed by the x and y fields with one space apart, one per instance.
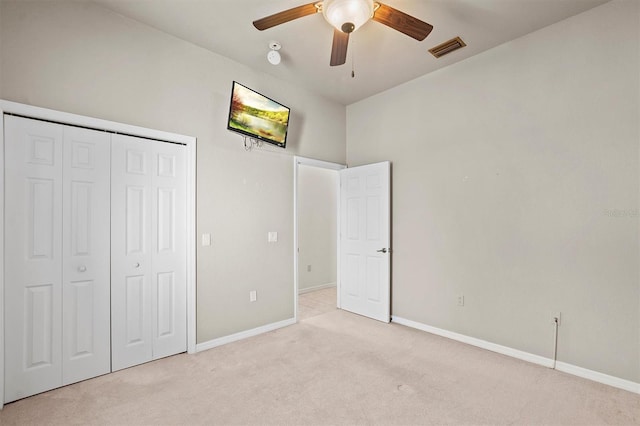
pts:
pixel 257 116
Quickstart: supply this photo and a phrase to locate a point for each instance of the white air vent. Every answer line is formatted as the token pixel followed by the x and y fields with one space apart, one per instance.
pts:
pixel 447 47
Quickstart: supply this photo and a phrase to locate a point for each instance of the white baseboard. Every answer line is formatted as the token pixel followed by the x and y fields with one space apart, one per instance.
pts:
pixel 504 350
pixel 616 382
pixel 243 334
pixel 315 288
pixel 525 356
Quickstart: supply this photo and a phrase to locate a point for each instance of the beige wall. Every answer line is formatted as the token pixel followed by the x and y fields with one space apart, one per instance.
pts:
pixel 508 170
pixel 317 220
pixel 79 58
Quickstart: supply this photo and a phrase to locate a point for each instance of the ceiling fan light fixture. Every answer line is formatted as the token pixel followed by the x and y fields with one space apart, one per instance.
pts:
pixel 347 15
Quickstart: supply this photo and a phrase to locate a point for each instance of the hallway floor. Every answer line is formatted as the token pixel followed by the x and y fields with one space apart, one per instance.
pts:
pixel 317 303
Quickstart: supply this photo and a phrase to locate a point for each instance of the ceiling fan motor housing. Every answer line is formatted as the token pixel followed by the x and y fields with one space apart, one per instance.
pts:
pixel 347 15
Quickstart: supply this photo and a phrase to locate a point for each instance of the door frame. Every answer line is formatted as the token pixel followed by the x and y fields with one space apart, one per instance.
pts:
pixel 304 161
pixel 8 107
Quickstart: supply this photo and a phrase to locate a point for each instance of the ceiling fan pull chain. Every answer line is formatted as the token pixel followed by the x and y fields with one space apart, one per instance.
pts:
pixel 353 61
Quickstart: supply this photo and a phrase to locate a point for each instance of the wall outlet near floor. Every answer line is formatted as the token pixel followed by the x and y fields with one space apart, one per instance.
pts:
pixel 253 296
pixel 272 237
pixel 553 317
pixel 460 300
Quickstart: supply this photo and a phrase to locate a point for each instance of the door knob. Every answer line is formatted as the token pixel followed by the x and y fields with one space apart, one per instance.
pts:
pixel 82 268
pixel 383 250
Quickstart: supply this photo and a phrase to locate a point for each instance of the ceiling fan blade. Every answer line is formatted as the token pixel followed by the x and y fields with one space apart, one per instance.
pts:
pixel 406 24
pixel 285 16
pixel 339 48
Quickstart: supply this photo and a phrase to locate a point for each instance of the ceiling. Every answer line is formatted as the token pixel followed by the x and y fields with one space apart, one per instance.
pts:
pixel 382 57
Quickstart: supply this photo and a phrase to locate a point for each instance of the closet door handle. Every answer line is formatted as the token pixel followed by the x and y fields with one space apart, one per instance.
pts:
pixel 82 268
pixel 136 265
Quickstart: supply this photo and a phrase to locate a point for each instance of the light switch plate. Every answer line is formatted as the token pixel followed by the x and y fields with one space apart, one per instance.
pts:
pixel 206 239
pixel 272 237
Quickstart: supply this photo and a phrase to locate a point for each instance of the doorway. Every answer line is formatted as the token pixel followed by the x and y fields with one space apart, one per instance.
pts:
pixel 316 224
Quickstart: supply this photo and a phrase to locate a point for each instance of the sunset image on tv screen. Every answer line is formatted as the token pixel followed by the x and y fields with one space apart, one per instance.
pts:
pixel 257 115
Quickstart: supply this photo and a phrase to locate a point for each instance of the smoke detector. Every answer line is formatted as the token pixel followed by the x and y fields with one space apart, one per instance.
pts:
pixel 273 56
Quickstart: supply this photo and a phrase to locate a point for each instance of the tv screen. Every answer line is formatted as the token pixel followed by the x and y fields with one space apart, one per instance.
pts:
pixel 256 116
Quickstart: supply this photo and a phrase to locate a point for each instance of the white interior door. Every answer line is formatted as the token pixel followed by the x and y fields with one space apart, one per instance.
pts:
pixel 131 316
pixel 33 257
pixel 56 249
pixel 56 257
pixel 148 250
pixel 86 325
pixel 169 247
pixel 365 252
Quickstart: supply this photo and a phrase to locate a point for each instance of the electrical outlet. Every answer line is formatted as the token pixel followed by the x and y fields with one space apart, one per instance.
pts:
pixel 308 268
pixel 206 239
pixel 460 300
pixel 253 296
pixel 556 317
pixel 272 237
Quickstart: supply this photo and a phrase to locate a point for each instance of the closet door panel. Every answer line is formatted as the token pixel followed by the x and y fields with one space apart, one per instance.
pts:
pixel 148 250
pixel 33 258
pixel 131 269
pixel 86 350
pixel 169 250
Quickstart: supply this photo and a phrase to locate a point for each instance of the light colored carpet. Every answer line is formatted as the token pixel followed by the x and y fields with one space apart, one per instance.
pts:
pixel 317 303
pixel 333 368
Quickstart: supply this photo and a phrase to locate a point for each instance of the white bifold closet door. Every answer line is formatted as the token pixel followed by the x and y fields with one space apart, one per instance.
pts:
pixel 56 255
pixel 148 250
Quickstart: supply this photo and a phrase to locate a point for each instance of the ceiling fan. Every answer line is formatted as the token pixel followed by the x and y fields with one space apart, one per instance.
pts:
pixel 346 16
